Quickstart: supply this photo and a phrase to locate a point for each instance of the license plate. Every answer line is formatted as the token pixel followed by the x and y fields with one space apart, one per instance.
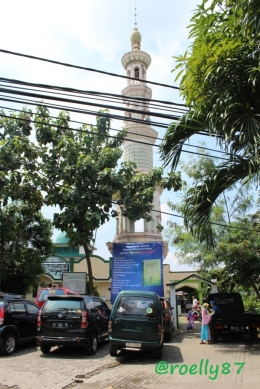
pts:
pixel 133 344
pixel 60 325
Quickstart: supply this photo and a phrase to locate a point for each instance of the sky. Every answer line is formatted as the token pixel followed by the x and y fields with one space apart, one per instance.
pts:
pixel 96 34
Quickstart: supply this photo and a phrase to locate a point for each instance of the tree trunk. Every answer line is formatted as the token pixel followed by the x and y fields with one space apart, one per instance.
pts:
pixel 255 289
pixel 89 267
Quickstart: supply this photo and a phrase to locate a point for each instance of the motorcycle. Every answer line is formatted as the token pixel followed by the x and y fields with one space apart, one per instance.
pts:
pixel 197 314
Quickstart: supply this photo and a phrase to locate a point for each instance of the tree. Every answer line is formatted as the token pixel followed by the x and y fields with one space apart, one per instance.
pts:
pixel 220 83
pixel 234 258
pixel 25 241
pixel 80 173
pixel 240 251
pixel 18 173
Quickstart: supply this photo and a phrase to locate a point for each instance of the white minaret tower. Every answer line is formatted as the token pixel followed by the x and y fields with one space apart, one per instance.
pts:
pixel 136 63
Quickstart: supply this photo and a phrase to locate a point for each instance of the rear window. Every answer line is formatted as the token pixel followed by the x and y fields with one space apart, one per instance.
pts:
pixel 63 306
pixel 50 292
pixel 136 306
pixel 224 301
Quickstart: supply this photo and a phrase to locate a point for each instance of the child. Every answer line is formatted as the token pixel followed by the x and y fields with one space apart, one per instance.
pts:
pixel 190 320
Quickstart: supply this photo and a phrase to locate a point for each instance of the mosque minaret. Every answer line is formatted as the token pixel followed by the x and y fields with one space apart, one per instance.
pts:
pixel 136 63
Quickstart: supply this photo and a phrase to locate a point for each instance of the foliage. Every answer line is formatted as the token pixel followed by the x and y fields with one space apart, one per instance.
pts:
pixel 95 289
pixel 81 174
pixel 234 259
pixel 251 303
pixel 22 244
pixel 18 160
pixel 25 241
pixel 220 83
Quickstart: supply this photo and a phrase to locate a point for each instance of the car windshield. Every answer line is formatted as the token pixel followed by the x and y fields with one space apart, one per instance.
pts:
pixel 136 306
pixel 50 292
pixel 63 306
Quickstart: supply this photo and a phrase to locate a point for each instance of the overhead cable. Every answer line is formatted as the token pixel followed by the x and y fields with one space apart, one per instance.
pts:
pixel 84 68
pixel 133 204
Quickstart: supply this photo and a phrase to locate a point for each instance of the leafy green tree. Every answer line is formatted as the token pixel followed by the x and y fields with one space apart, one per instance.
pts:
pixel 81 174
pixel 220 85
pixel 25 241
pixel 18 175
pixel 228 260
pixel 240 250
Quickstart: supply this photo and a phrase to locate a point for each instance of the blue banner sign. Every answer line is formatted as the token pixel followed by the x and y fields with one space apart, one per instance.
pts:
pixel 137 266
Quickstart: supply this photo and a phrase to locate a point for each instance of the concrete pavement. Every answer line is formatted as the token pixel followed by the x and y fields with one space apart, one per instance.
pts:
pixel 229 364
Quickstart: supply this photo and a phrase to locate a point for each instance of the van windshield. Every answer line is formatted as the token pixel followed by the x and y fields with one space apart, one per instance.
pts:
pixel 136 306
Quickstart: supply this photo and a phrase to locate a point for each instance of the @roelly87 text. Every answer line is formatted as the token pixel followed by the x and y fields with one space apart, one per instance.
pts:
pixel 202 368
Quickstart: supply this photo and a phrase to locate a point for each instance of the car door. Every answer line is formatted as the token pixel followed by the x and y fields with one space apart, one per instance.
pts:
pixel 32 311
pixel 103 314
pixel 20 319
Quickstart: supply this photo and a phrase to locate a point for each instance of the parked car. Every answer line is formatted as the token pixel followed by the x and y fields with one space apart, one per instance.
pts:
pixel 18 322
pixel 232 318
pixel 136 322
pixel 53 291
pixel 168 323
pixel 73 321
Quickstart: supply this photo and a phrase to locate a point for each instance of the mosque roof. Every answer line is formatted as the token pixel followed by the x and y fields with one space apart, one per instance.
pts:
pixel 62 238
pixel 135 36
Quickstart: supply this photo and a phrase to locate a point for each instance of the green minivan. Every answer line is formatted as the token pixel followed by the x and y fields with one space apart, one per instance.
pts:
pixel 136 322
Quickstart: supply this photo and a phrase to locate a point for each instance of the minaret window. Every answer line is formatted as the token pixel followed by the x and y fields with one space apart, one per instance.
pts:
pixel 136 73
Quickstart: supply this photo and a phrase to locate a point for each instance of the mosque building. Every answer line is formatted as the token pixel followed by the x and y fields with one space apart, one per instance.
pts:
pixel 138 148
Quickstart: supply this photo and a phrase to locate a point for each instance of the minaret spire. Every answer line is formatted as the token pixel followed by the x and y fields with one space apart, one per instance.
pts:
pixel 135 17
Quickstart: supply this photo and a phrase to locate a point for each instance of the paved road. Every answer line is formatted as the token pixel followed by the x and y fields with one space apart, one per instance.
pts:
pixel 206 366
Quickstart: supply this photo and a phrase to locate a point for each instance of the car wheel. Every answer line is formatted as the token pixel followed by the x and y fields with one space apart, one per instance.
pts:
pixel 9 345
pixel 253 334
pixel 45 349
pixel 113 350
pixel 215 336
pixel 157 352
pixel 93 344
pixel 168 336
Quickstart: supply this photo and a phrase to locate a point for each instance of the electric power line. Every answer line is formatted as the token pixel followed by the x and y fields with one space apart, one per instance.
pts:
pixel 131 204
pixel 84 68
pixel 103 135
pixel 131 133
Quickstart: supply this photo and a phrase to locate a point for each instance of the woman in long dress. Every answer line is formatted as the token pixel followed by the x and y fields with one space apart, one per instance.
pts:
pixel 205 332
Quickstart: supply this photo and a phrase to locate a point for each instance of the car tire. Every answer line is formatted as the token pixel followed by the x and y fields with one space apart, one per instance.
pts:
pixel 168 336
pixel 45 349
pixel 157 352
pixel 215 336
pixel 93 344
pixel 113 350
pixel 9 345
pixel 253 334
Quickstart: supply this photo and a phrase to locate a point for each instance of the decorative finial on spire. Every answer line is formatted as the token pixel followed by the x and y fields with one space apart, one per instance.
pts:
pixel 135 17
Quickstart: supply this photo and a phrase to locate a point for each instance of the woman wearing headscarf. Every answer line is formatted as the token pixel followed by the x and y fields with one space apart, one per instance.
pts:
pixel 206 318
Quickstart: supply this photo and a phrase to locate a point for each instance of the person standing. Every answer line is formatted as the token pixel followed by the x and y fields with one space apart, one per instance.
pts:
pixel 190 320
pixel 215 307
pixel 216 311
pixel 206 318
pixel 194 302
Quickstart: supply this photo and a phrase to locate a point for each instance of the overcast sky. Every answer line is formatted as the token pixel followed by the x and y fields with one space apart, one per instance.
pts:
pixel 95 34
